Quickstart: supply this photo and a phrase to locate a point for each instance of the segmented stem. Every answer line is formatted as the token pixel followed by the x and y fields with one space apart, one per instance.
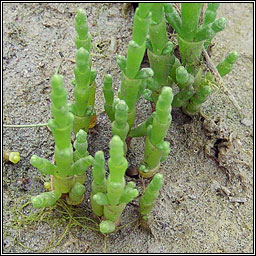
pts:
pixel 227 64
pixel 109 97
pixel 117 194
pixel 99 181
pixel 80 145
pixel 148 199
pixel 120 126
pixel 156 149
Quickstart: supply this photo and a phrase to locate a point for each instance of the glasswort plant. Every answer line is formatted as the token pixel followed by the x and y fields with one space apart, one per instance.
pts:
pixel 68 174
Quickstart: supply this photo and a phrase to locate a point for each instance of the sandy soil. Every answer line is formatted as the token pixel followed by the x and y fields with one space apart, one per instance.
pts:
pixel 206 203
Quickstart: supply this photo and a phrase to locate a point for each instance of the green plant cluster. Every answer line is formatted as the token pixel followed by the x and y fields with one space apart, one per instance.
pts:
pixel 194 81
pixel 111 194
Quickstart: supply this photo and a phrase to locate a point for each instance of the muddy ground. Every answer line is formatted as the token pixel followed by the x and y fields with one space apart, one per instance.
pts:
pixel 206 203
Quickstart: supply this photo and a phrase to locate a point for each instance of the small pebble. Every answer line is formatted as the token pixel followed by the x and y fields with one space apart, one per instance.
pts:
pixel 215 186
pixel 237 200
pixel 132 172
pixel 247 122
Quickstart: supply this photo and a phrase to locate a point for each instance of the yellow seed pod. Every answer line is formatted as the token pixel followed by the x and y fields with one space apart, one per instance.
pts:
pixel 47 185
pixel 13 157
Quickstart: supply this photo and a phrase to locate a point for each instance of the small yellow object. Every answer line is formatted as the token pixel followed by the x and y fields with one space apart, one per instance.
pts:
pixel 14 157
pixel 47 185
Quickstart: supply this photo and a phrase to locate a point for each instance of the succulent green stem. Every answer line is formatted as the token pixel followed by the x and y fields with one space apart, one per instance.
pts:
pixel 173 17
pixel 80 145
pixel 85 87
pixel 131 77
pixel 62 123
pixel 43 165
pixel 120 126
pixel 209 17
pixel 209 31
pixel 190 13
pixel 184 81
pixel 137 45
pixel 76 194
pixel 99 182
pixel 203 89
pixel 117 166
pixel 157 29
pixel 183 78
pixel 210 13
pixel 129 93
pixel 163 118
pixel 107 226
pixel 81 165
pixel 159 49
pixel 227 64
pixel 155 146
pixel 45 199
pixel 190 51
pixel 64 185
pixel 141 129
pixel 84 91
pixel 61 126
pixel 148 199
pixel 109 97
pixel 197 100
pixel 181 98
pixel 83 37
pixel 175 63
pixel 117 194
